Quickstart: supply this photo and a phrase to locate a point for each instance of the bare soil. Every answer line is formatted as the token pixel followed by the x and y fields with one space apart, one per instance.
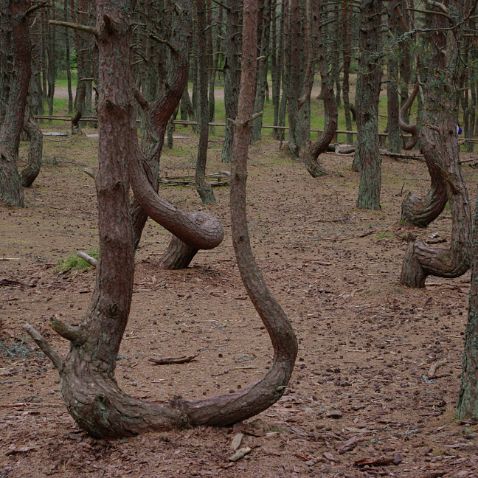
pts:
pixel 361 402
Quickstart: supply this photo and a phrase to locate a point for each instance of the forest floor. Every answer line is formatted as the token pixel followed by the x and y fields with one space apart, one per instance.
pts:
pixel 364 400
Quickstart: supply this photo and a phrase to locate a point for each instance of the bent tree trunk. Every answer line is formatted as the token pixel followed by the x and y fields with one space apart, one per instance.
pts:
pixel 404 125
pixel 11 192
pixel 421 211
pixel 35 152
pixel 185 227
pixel 89 389
pixel 328 56
pixel 440 144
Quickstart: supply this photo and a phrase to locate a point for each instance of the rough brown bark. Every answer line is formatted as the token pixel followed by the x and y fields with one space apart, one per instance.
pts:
pixel 467 407
pixel 202 186
pixel 367 156
pixel 411 142
pixel 35 152
pixel 89 389
pixel 11 192
pixel 327 57
pixel 439 145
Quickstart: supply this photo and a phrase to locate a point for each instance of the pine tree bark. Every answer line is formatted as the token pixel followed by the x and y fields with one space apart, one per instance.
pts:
pixel 467 407
pixel 328 56
pixel 11 192
pixel 35 151
pixel 439 146
pixel 202 187
pixel 369 78
pixel 232 72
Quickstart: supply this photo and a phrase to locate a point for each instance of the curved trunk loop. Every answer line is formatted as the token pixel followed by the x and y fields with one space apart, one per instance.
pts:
pixel 186 240
pixel 410 143
pixel 89 388
pixel 421 211
pixel 422 260
pixel 314 150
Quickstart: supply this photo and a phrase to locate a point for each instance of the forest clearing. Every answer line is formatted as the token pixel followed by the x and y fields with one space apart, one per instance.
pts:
pixel 238 238
pixel 366 343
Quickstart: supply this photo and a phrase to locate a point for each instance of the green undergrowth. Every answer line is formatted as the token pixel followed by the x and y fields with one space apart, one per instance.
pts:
pixel 75 263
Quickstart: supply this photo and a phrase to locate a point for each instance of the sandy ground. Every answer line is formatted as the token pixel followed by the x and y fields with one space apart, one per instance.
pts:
pixel 360 403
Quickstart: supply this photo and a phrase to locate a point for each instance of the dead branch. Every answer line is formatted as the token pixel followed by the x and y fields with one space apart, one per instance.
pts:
pixel 45 347
pixel 172 360
pixel 91 260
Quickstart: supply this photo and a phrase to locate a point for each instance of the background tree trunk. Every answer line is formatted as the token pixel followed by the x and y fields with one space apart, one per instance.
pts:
pixel 202 187
pixel 369 77
pixel 11 192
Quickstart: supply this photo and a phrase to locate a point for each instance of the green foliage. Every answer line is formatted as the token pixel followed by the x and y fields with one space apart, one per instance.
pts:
pixel 384 236
pixel 73 262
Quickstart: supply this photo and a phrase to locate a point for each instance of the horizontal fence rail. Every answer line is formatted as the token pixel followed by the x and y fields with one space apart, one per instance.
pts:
pixel 94 119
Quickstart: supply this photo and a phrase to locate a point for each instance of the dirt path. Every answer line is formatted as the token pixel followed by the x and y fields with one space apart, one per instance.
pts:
pixel 360 390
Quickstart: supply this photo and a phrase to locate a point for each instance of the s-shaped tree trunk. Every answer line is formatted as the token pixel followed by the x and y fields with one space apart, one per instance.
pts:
pixel 87 381
pixel 416 210
pixel 439 145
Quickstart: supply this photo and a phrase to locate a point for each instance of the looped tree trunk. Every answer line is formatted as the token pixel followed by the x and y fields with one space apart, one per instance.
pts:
pixel 314 150
pixel 182 248
pixel 35 152
pixel 411 142
pixel 421 260
pixel 89 389
pixel 421 211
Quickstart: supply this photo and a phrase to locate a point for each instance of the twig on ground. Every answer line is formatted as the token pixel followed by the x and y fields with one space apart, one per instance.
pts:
pixel 172 360
pixel 435 366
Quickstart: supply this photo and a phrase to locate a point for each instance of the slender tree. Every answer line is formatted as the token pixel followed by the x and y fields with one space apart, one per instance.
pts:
pixel 202 187
pixel 368 93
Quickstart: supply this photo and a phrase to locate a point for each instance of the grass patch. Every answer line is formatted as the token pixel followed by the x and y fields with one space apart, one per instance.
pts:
pixel 73 262
pixel 384 236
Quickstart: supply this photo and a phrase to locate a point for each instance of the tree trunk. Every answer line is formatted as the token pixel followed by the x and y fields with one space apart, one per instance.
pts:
pixel 467 407
pixel 369 77
pixel 232 72
pixel 328 56
pixel 87 382
pixel 347 58
pixel 35 153
pixel 11 192
pixel 403 118
pixel 439 145
pixel 202 187
pixel 393 103
pixel 263 70
pixel 51 61
pixel 68 58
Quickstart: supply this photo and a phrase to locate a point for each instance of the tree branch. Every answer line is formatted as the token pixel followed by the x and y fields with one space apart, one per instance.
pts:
pixel 75 26
pixel 45 347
